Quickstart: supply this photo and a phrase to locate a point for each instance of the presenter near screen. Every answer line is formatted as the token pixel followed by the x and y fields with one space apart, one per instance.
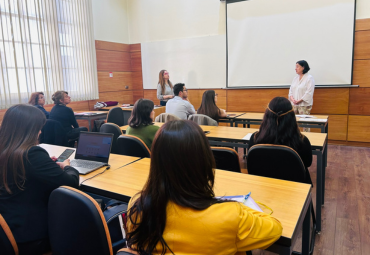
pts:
pixel 164 87
pixel 302 89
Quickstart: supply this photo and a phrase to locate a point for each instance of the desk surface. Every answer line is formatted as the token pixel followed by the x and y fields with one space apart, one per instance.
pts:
pixel 115 161
pixel 128 108
pixel 258 116
pixel 89 113
pixel 287 199
pixel 159 124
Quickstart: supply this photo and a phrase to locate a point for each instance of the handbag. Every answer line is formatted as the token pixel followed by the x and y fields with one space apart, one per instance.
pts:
pixel 115 216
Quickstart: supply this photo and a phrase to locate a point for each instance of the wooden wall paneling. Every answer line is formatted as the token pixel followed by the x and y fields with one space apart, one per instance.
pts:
pixel 113 61
pixel 362 24
pixel 338 125
pixel 362 44
pixel 137 94
pixel 119 81
pixel 195 97
pixel 361 73
pixel 330 101
pixel 252 100
pixel 152 95
pixel 135 47
pixel 137 80
pixel 111 96
pixel 359 101
pixel 359 128
pixel 75 105
pixel 2 113
pixel 103 45
pixel 136 61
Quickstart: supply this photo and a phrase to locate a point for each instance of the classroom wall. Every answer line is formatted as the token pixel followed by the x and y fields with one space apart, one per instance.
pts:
pixel 362 9
pixel 111 20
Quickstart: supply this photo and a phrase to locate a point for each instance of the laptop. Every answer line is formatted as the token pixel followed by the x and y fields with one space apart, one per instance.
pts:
pixel 92 151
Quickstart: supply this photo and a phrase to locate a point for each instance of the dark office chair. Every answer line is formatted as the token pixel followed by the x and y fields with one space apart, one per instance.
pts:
pixel 115 115
pixel 112 129
pixel 77 224
pixel 53 133
pixel 226 159
pixel 7 241
pixel 132 146
pixel 279 162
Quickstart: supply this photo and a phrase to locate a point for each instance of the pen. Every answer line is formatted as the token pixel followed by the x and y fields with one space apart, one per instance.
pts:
pixel 247 196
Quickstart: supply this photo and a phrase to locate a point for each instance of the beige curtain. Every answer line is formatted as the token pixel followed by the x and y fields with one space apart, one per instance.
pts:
pixel 46 45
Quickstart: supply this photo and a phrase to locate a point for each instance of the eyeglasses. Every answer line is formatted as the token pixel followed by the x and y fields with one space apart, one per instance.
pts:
pixel 184 90
pixel 216 95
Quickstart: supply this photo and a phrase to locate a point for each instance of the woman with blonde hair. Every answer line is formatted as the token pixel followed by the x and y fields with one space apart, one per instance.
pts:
pixel 164 87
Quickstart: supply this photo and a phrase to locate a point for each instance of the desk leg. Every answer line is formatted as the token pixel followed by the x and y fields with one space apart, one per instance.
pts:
pixel 306 232
pixel 319 187
pixel 89 120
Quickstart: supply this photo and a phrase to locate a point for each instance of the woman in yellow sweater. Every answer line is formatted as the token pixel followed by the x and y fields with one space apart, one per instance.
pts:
pixel 177 212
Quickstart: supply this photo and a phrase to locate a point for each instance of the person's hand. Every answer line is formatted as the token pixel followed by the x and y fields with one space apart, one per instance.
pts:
pixel 65 163
pixel 54 158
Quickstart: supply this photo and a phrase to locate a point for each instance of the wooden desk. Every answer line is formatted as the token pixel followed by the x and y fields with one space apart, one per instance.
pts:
pixel 90 116
pixel 235 137
pixel 127 111
pixel 115 161
pixel 159 124
pixel 255 118
pixel 230 119
pixel 289 200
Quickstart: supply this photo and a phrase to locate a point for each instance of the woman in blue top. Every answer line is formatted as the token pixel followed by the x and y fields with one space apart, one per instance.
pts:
pixel 37 99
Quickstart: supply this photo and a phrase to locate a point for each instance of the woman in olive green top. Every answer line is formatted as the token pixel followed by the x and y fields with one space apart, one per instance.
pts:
pixel 141 121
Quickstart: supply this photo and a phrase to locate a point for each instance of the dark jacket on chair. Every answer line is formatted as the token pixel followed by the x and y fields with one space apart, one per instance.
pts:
pixel 53 133
pixel 26 210
pixel 65 116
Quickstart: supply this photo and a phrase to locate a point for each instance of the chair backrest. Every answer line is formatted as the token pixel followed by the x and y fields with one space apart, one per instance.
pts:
pixel 115 115
pixel 202 119
pixel 77 224
pixel 8 246
pixel 226 159
pixel 53 133
pixel 112 129
pixel 132 146
pixel 165 117
pixel 276 161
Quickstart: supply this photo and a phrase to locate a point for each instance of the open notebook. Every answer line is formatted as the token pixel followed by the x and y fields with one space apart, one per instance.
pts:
pixel 245 199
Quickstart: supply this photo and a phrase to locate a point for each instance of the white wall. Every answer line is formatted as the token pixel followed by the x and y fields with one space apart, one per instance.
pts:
pixel 111 20
pixel 162 20
pixel 363 9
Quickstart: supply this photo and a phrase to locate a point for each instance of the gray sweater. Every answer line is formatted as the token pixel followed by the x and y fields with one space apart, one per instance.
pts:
pixel 160 94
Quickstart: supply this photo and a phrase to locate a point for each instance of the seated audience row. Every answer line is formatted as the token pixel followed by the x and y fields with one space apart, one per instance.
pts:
pixel 60 112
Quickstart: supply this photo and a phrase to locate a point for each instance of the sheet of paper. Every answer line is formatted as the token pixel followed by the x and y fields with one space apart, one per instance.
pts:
pixel 247 137
pixel 249 202
pixel 304 116
pixel 314 120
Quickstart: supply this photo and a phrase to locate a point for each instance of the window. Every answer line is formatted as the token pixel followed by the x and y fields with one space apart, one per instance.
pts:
pixel 46 45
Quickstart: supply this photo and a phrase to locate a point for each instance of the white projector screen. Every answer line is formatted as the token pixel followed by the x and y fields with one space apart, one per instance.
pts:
pixel 199 62
pixel 267 37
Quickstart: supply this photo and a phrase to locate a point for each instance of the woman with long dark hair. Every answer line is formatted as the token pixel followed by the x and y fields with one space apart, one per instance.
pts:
pixel 27 177
pixel 37 99
pixel 177 211
pixel 141 121
pixel 279 126
pixel 209 107
pixel 164 87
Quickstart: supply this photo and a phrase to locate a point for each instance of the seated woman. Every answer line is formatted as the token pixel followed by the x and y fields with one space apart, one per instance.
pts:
pixel 177 211
pixel 141 121
pixel 209 107
pixel 279 126
pixel 27 177
pixel 37 99
pixel 65 115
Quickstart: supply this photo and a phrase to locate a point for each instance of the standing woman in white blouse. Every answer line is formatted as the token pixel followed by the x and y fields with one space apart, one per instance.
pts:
pixel 164 87
pixel 302 89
